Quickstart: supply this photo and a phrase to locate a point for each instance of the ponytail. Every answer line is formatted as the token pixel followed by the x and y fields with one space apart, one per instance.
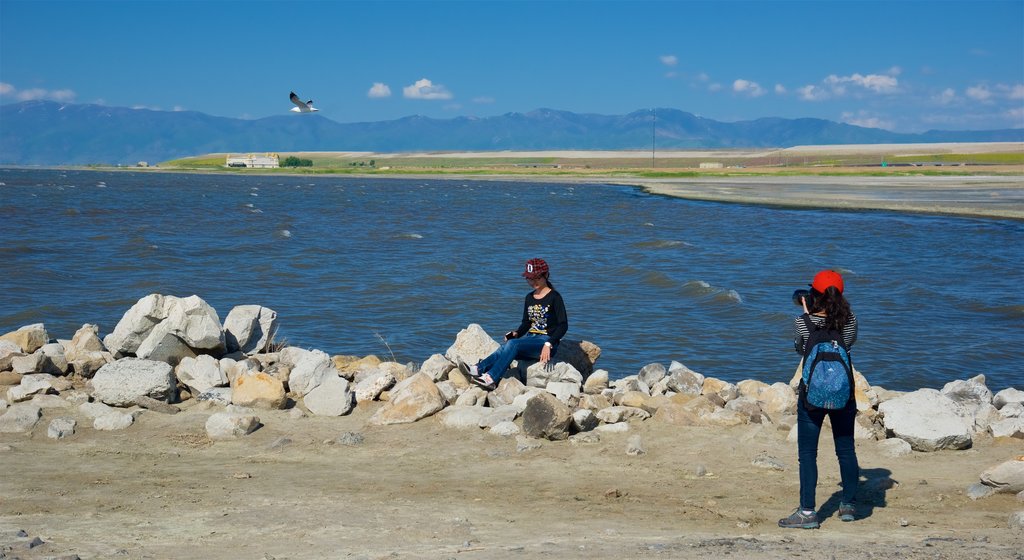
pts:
pixel 836 308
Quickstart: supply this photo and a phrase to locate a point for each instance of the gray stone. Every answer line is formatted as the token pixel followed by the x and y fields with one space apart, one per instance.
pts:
pixel 471 345
pixel 94 410
pixel 616 414
pixel 1006 477
pixel 635 446
pixel 651 373
pixel 505 429
pixel 61 428
pixel 163 345
pixel 765 461
pixel 894 447
pixel 1007 396
pixel 448 390
pixel 231 425
pixel 928 421
pixel 56 363
pixel 524 444
pixel 50 401
pixel 121 382
pixel 20 418
pixel 584 438
pixel 310 370
pixel 584 420
pixel 978 491
pixel 200 373
pixel 495 416
pixel 350 439
pixel 216 395
pixel 249 329
pixel 539 375
pixel 113 421
pixel 462 417
pixel 682 379
pixel 437 367
pixel 331 397
pixel 546 417
pixel 1016 521
pixel 156 406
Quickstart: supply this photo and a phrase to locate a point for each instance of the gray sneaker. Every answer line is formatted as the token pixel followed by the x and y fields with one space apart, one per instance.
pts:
pixel 847 512
pixel 800 520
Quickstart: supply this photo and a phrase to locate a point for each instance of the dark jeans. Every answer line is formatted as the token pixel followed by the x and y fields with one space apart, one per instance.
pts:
pixel 808 430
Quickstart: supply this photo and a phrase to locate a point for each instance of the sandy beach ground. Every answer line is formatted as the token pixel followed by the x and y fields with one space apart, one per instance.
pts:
pixel 162 489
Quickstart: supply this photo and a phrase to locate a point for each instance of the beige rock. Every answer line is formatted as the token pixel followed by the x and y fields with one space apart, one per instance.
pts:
pixel 725 417
pixel 594 402
pixel 258 390
pixel 751 388
pixel 84 343
pixel 9 378
pixel 638 399
pixel 347 366
pixel 682 398
pixel 701 406
pixel 723 390
pixel 596 382
pixel 778 399
pixel 415 398
pixel 29 338
pixel 677 414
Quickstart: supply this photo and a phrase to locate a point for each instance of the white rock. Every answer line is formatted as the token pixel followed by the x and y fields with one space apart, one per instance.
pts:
pixel 894 447
pixel 121 382
pixel 563 391
pixel 495 416
pixel 371 387
pixel 1010 427
pixel 57 363
pixel 200 373
pixel 31 385
pixel 539 375
pixel 31 363
pixel 1006 477
pixel 61 428
pixel 596 382
pixel 85 341
pixel 584 420
pixel 474 396
pixel 448 390
pixel 249 328
pixel 113 421
pixel 229 425
pixel 618 428
pixel 635 446
pixel 928 421
pixel 20 418
pixel 616 414
pixel 472 344
pixel 506 429
pixel 331 397
pixel 50 402
pixel 652 373
pixel 94 410
pixel 311 369
pixel 682 379
pixel 191 320
pixel 1012 410
pixel 1006 396
pixel 462 417
pixel 778 399
pixel 971 394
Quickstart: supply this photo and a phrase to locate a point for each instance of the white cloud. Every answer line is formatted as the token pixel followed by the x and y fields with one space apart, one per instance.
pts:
pixel 669 59
pixel 378 90
pixel 1017 91
pixel 36 93
pixel 946 97
pixel 425 89
pixel 703 77
pixel 979 93
pixel 780 89
pixel 812 93
pixel 483 99
pixel 878 83
pixel 866 120
pixel 1016 114
pixel 895 71
pixel 715 87
pixel 746 87
pixel 178 109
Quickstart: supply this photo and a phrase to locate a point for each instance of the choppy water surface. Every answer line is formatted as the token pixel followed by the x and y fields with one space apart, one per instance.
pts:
pixel 358 266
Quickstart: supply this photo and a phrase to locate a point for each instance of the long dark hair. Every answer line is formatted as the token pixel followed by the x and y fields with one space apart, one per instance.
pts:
pixel 548 280
pixel 836 308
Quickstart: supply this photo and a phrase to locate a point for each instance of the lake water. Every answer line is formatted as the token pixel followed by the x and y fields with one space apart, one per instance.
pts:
pixel 361 266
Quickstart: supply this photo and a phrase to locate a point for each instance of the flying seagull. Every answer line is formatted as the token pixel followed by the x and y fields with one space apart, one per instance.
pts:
pixel 301 106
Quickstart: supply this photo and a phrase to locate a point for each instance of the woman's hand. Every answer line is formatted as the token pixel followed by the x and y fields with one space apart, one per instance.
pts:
pixel 803 302
pixel 545 354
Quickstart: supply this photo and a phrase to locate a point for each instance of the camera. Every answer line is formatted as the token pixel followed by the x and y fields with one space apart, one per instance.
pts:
pixel 806 294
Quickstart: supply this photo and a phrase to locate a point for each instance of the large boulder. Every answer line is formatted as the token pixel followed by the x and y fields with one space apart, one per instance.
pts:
pixel 777 400
pixel 928 421
pixel 120 383
pixel 249 329
pixel 582 354
pixel 972 394
pixel 167 327
pixel 309 369
pixel 546 417
pixel 29 338
pixel 332 397
pixel 539 375
pixel 410 400
pixel 257 390
pixel 1006 477
pixel 472 344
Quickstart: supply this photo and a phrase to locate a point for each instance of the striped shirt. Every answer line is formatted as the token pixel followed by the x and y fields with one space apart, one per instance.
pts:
pixel 801 334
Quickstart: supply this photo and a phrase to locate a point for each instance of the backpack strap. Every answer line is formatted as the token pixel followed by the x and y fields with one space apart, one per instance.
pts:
pixel 811 327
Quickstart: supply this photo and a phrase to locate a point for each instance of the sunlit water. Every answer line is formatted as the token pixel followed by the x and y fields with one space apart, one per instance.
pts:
pixel 360 266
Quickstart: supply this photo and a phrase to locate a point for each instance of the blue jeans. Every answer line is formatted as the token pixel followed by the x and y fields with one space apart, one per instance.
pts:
pixel 808 428
pixel 528 346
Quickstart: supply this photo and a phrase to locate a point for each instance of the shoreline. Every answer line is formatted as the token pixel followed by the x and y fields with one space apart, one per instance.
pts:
pixel 977 196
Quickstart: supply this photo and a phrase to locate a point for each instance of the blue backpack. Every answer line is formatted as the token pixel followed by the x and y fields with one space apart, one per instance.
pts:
pixel 827 381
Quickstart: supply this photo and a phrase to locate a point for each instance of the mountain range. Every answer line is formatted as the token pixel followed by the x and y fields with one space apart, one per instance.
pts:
pixel 50 133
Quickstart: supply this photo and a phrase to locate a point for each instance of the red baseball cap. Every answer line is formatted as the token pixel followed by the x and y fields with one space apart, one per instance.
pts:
pixel 825 279
pixel 535 268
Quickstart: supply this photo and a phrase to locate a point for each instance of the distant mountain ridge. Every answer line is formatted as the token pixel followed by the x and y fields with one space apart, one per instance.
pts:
pixel 50 133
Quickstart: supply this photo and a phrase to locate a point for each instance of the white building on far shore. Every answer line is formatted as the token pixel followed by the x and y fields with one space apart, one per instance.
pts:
pixel 265 161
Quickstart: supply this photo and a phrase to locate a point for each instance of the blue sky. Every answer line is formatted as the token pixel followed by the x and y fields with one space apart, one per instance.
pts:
pixel 902 66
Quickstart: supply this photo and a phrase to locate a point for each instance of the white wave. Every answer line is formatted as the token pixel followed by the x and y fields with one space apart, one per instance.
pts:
pixel 285 233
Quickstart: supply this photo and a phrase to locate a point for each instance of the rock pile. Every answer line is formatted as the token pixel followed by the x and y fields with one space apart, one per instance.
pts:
pixel 166 350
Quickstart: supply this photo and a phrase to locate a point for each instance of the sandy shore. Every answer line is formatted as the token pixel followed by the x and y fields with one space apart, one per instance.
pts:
pixel 162 489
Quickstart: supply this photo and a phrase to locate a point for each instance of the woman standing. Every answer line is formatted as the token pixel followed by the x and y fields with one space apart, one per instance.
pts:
pixel 827 309
pixel 542 328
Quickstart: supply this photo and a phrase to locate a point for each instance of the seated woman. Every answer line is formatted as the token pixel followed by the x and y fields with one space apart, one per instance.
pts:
pixel 543 326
